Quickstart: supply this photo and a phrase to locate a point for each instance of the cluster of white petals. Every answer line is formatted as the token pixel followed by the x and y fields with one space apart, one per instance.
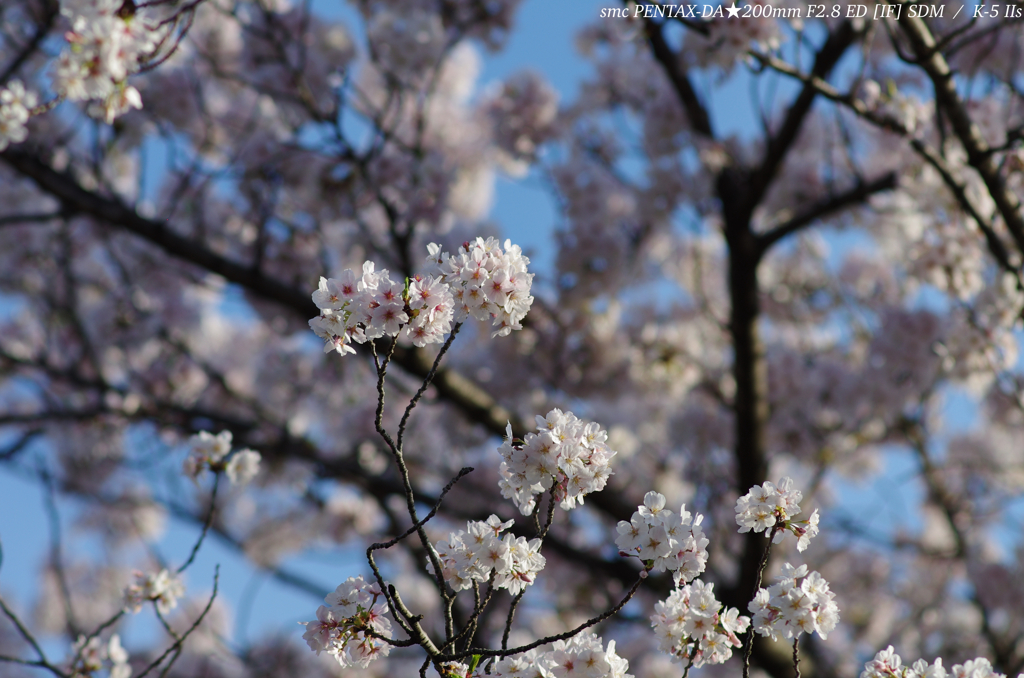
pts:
pixel 481 279
pixel 107 41
pixel 487 281
pixel 243 466
pixel 583 656
pixel 209 452
pixel 888 664
pixel 691 621
pixel 770 507
pixel 567 454
pixel 343 626
pixel 16 104
pixel 92 655
pixel 981 344
pixel 478 552
pixel 356 309
pixel 666 540
pixel 950 256
pixel 797 603
pixel 906 110
pixel 163 588
pixel 454 670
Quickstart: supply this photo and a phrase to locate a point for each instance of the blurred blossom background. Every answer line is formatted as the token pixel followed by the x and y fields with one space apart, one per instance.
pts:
pixel 761 248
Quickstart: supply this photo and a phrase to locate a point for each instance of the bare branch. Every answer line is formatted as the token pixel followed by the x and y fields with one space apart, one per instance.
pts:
pixel 855 196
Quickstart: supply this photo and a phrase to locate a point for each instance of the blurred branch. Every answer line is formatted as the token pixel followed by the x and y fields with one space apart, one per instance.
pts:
pixel 18 219
pixel 42 662
pixel 779 144
pixel 854 196
pixel 51 10
pixel 671 64
pixel 948 100
pixel 956 186
pixel 475 403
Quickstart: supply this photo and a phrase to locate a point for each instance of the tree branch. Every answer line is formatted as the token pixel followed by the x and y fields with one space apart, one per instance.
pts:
pixel 663 54
pixel 948 100
pixel 854 196
pixel 475 403
pixel 779 144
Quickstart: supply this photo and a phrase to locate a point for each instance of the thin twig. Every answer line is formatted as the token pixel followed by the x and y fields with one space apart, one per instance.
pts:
pixel 447 488
pixel 56 557
pixel 693 656
pixel 511 616
pixel 426 383
pixel 22 630
pixel 206 525
pixel 410 494
pixel 483 652
pixel 478 607
pixel 542 532
pixel 749 641
pixel 176 647
pixel 388 544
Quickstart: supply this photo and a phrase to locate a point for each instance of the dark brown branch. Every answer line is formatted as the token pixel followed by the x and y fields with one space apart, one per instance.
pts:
pixel 475 403
pixel 955 185
pixel 854 196
pixel 839 40
pixel 51 11
pixel 18 219
pixel 669 60
pixel 948 100
pixel 550 639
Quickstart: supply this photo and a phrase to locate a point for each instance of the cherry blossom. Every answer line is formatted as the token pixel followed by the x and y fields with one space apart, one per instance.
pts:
pixel 797 603
pixel 567 455
pixel 665 540
pixel 349 625
pixel 162 588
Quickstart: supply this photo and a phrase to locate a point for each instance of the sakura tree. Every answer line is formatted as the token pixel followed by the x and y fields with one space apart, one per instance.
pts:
pixel 249 282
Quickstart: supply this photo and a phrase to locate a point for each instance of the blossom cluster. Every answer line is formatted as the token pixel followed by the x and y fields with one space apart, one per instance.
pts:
pixel 664 539
pixel 209 452
pixel 522 114
pixel 567 454
pixel 797 603
pixel 108 40
pixel 406 44
pixel 16 106
pixel 478 552
pixel 487 282
pixel 583 655
pixel 356 309
pixel 773 507
pixel 906 110
pixel 163 588
pixel 91 654
pixel 480 280
pixel 691 622
pixel 888 664
pixel 347 626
